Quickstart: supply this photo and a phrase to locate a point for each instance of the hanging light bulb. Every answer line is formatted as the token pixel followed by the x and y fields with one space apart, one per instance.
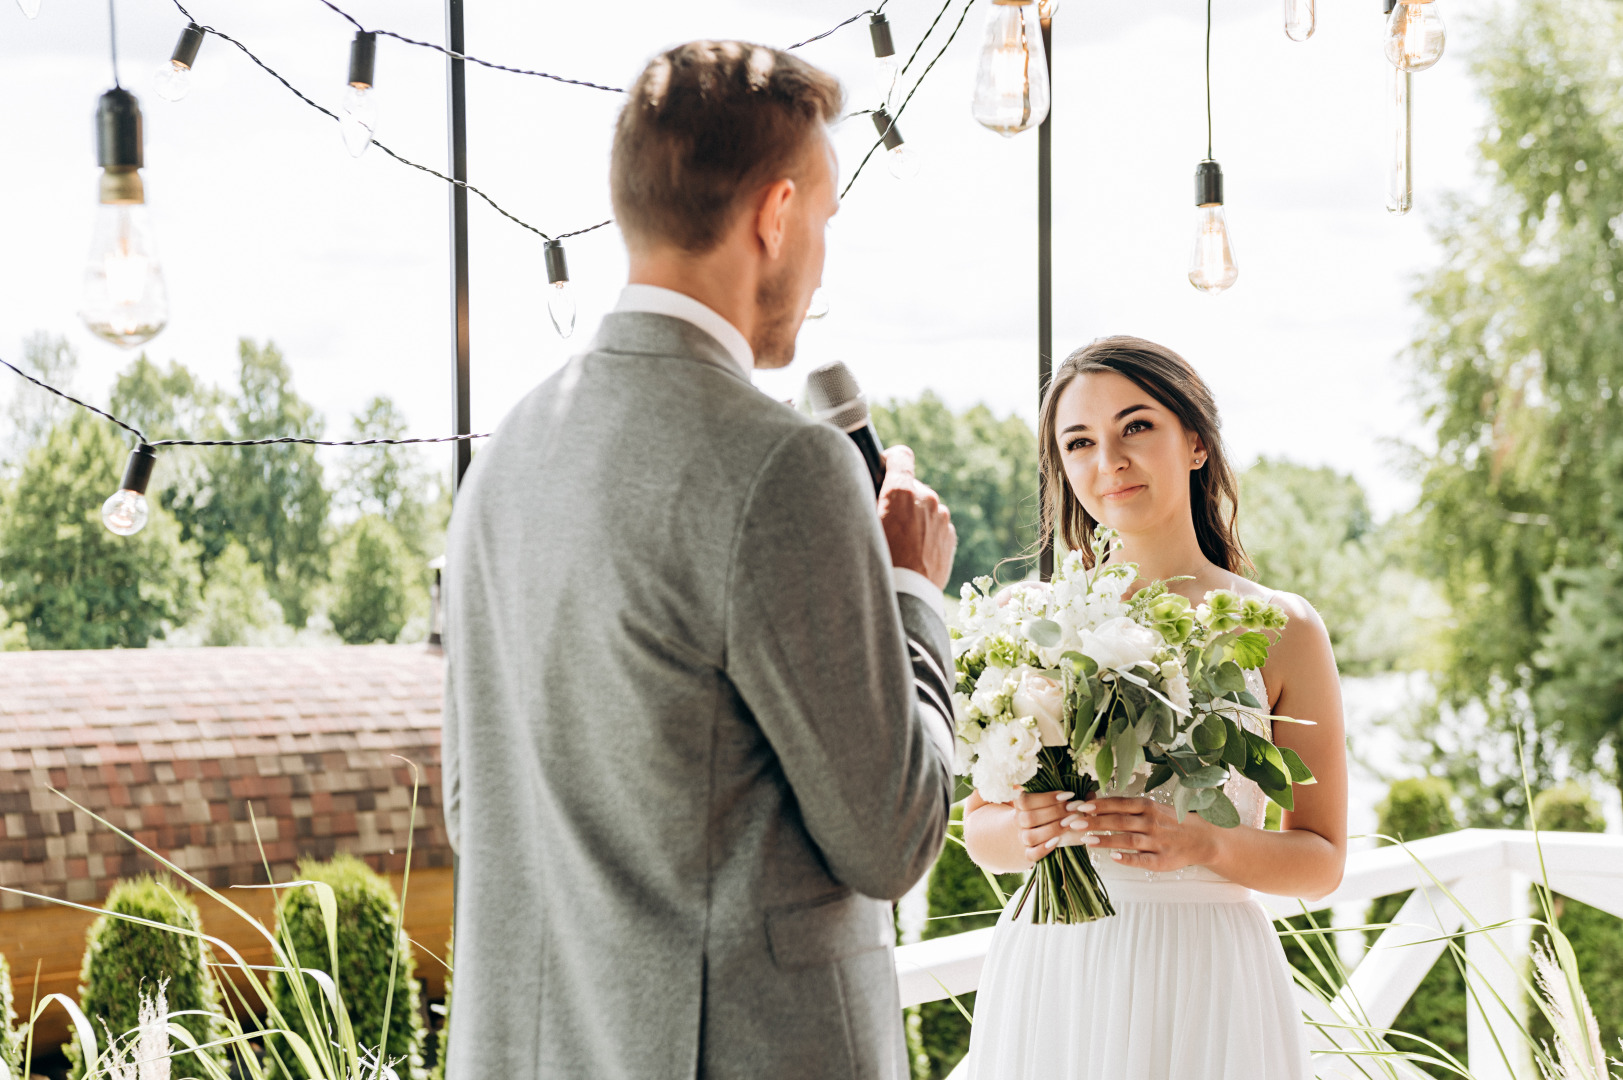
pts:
pixel 125 511
pixel 173 79
pixel 1011 83
pixel 1414 35
pixel 358 112
pixel 902 162
pixel 560 299
pixel 1300 20
pixel 818 307
pixel 1211 265
pixel 124 298
pixel 30 7
pixel 886 66
pixel 1400 181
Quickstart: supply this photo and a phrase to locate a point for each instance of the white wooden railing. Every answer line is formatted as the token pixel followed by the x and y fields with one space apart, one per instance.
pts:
pixel 1461 881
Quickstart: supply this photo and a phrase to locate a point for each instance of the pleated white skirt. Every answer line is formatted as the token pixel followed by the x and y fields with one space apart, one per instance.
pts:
pixel 1186 982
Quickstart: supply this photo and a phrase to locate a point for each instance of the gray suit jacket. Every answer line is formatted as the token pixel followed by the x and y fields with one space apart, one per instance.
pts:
pixel 687 753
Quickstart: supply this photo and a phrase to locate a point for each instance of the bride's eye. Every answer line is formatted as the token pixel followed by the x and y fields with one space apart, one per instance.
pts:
pixel 1137 426
pixel 1077 443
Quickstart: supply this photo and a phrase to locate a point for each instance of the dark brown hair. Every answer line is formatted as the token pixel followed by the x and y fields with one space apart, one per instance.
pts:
pixel 1171 381
pixel 706 123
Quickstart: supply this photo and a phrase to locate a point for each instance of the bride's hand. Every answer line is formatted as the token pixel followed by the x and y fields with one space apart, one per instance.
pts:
pixel 1143 833
pixel 1038 817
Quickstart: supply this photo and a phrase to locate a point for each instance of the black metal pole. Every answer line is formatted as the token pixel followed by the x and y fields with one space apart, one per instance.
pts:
pixel 1045 266
pixel 461 393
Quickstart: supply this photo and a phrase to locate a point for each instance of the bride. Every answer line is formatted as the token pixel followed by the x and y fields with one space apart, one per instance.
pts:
pixel 1188 980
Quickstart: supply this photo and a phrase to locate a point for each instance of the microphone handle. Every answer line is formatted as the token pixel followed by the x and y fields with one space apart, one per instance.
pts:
pixel 867 440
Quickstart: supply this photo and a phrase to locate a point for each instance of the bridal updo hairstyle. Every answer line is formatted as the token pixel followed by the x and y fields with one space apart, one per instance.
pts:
pixel 705 124
pixel 1171 381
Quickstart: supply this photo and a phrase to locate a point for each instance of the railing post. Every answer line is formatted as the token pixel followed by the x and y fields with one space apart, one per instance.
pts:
pixel 1497 963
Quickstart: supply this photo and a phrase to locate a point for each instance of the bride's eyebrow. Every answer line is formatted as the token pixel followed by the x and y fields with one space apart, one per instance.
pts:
pixel 1124 414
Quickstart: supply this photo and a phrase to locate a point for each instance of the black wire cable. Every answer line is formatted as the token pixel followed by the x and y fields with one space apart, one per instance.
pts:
pixel 112 42
pixel 83 405
pixel 907 100
pixel 1208 80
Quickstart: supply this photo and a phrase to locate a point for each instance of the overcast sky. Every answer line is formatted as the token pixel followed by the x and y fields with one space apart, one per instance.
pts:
pixel 268 229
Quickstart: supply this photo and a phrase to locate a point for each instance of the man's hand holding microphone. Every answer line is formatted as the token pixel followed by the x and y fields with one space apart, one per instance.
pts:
pixel 917 525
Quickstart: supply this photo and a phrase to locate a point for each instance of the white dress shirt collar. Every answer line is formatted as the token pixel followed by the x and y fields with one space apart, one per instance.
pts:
pixel 656 300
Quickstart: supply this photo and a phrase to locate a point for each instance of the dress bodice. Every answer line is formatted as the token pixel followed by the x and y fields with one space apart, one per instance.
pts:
pixel 1246 796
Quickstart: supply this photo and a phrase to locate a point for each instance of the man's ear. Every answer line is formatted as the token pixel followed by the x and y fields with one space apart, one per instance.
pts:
pixel 772 215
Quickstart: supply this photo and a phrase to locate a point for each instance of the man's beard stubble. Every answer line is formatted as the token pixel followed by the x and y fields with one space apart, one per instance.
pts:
pixel 779 322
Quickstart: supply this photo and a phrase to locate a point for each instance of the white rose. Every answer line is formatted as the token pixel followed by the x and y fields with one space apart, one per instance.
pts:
pixel 960 706
pixel 1043 700
pixel 1120 644
pixel 1177 691
pixel 1005 758
pixel 987 689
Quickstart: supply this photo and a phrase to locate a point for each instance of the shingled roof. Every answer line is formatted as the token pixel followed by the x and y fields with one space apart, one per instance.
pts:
pixel 174 745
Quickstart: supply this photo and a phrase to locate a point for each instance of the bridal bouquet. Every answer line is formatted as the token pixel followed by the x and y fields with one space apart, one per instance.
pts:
pixel 1070 687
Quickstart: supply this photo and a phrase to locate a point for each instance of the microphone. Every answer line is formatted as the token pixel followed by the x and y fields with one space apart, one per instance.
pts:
pixel 835 398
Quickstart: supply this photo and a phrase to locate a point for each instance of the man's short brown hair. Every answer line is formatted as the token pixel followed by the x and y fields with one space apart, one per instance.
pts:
pixel 706 123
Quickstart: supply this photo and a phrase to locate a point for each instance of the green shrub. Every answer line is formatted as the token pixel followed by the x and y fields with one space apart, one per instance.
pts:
pixel 956 886
pixel 367 940
pixel 375 572
pixel 123 959
pixel 10 1048
pixel 1413 810
pixel 1596 936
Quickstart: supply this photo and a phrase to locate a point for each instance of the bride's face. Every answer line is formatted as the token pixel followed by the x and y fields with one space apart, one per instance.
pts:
pixel 1126 456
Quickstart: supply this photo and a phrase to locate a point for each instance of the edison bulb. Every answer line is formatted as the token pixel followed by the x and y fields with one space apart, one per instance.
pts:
pixel 1011 82
pixel 172 80
pixel 1300 20
pixel 358 118
pixel 903 162
pixel 125 512
pixel 124 300
pixel 561 306
pixel 1414 35
pixel 886 71
pixel 1211 266
pixel 1400 178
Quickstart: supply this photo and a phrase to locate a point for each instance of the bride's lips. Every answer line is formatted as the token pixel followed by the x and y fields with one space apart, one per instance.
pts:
pixel 1123 493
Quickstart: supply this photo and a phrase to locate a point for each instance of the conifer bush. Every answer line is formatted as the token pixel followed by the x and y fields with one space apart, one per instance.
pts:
pixel 122 959
pixel 368 914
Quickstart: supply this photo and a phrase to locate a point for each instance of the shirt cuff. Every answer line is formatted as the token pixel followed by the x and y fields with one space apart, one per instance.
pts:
pixel 917 585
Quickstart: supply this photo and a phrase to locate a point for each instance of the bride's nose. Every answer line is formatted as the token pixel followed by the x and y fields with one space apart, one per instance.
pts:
pixel 1112 457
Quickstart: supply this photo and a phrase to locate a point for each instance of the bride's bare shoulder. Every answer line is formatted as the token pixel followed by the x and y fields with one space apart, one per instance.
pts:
pixel 1305 637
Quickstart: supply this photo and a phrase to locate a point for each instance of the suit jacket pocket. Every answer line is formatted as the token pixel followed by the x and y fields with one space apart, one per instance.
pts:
pixel 827 930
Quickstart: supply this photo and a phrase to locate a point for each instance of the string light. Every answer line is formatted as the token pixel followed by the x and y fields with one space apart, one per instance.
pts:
pixel 358 114
pixel 1211 264
pixel 886 67
pixel 1011 81
pixel 124 299
pixel 902 162
pixel 125 512
pixel 173 79
pixel 1300 19
pixel 560 298
pixel 1400 178
pixel 1414 35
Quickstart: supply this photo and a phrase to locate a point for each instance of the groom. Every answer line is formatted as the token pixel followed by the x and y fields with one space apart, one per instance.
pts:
pixel 697 722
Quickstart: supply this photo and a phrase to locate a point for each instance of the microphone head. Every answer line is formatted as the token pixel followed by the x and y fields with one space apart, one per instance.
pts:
pixel 835 398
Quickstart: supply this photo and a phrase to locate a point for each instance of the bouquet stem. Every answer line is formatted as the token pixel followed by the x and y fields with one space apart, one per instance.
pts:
pixel 1064 885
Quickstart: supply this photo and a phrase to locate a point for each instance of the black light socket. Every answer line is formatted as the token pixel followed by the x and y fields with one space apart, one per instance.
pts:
pixel 887 129
pixel 1388 5
pixel 118 130
pixel 1208 183
pixel 879 30
pixel 557 265
pixel 139 470
pixel 363 55
pixel 191 39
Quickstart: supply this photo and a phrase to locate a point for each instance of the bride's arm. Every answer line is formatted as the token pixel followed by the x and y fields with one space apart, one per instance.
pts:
pixel 1007 838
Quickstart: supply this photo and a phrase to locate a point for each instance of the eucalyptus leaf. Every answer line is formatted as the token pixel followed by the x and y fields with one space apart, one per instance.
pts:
pixel 1300 773
pixel 1044 632
pixel 1209 734
pixel 1158 776
pixel 1180 801
pixel 1089 666
pixel 1221 812
pixel 1208 776
pixel 1229 677
pixel 1234 748
pixel 1283 797
pixel 1248 699
pixel 1104 764
pixel 1201 798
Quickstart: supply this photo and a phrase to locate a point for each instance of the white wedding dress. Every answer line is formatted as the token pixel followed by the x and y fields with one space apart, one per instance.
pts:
pixel 1187 981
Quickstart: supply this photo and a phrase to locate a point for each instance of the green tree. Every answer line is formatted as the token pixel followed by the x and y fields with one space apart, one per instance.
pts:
pixel 374 583
pixel 1413 810
pixel 984 469
pixel 235 603
pixel 367 943
pixel 32 412
pixel 388 481
pixel 269 499
pixel 1520 358
pixel 123 959
pixel 63 575
pixel 166 403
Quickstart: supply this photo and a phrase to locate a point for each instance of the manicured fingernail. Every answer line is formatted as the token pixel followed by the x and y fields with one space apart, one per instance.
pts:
pixel 1092 839
pixel 1052 842
pixel 1116 855
pixel 1073 806
pixel 1068 823
pixel 1086 808
pixel 1081 823
pixel 1061 796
